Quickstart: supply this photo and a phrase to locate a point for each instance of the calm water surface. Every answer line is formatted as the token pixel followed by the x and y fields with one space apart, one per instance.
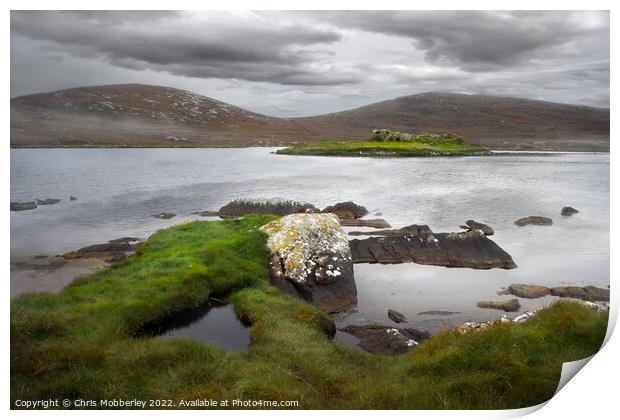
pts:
pixel 119 189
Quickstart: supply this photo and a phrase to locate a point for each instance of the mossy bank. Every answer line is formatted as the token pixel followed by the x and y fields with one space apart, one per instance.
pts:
pixel 81 342
pixel 385 143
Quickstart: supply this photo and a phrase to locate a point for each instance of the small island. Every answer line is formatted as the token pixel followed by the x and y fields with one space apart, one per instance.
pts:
pixel 387 143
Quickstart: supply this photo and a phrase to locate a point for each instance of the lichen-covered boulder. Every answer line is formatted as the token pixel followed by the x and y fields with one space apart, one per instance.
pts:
pixel 278 206
pixel 310 258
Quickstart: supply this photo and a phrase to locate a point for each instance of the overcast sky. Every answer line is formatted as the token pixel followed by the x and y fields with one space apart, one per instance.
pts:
pixel 305 63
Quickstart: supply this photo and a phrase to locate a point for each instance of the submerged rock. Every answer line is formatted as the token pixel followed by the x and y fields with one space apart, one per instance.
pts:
pixel 373 223
pixel 380 339
pixel 438 313
pixel 473 225
pixel 164 215
pixel 529 291
pixel 206 213
pixel 569 211
pixel 47 201
pixel 310 258
pixel 29 205
pixel 396 316
pixel 511 305
pixel 534 220
pixel 72 198
pixel 346 210
pixel 466 249
pixel 406 230
pixel 278 206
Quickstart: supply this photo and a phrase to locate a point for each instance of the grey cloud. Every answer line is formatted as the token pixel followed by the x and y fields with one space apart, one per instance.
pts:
pixel 166 42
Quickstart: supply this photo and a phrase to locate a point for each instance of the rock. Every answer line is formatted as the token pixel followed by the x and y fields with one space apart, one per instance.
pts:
pixel 466 249
pixel 511 305
pixel 528 291
pixel 164 215
pixel 310 258
pixel 396 316
pixel 72 198
pixel 473 225
pixel 206 213
pixel 439 313
pixel 534 220
pixel 417 335
pixel 597 307
pixel 29 205
pixel 380 339
pixel 114 250
pixel 348 207
pixel 373 223
pixel 407 230
pixel 569 211
pixel 278 206
pixel 47 201
pixel 589 293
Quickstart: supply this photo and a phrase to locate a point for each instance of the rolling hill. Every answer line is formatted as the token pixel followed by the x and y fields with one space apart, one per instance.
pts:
pixel 136 115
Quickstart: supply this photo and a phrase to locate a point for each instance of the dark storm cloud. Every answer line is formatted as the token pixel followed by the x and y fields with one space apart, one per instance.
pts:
pixel 486 40
pixel 165 41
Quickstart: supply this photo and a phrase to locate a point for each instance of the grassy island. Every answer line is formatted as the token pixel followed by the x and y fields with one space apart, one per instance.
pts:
pixel 387 143
pixel 81 342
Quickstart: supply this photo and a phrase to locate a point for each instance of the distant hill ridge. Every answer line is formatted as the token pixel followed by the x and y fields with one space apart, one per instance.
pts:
pixel 134 115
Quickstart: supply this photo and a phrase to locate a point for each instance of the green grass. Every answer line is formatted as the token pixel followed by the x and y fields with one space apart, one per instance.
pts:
pixel 423 145
pixel 79 344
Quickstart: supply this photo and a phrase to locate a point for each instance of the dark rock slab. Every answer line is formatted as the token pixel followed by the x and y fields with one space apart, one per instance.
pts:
pixel 396 316
pixel 528 291
pixel 466 249
pixel 373 223
pixel 380 339
pixel 407 230
pixel 72 198
pixel 347 210
pixel 534 220
pixel 473 225
pixel 114 250
pixel 47 201
pixel 511 305
pixel 164 215
pixel 438 313
pixel 206 213
pixel 277 206
pixel 29 205
pixel 569 211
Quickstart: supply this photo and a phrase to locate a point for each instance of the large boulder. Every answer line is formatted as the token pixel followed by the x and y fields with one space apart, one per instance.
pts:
pixel 589 293
pixel 466 249
pixel 511 305
pixel 17 206
pixel 569 211
pixel 347 210
pixel 534 220
pixel 278 206
pixel 310 258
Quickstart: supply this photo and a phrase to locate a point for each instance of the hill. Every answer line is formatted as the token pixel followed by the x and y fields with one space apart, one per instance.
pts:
pixel 152 116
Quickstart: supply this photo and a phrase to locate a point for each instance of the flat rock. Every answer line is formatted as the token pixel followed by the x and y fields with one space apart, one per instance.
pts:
pixel 47 201
pixel 373 223
pixel 528 291
pixel 72 198
pixel 206 213
pixel 465 249
pixel 278 206
pixel 511 305
pixel 407 230
pixel 396 316
pixel 589 293
pixel 438 313
pixel 346 210
pixel 534 220
pixel 29 205
pixel 568 211
pixel 310 258
pixel 473 225
pixel 164 215
pixel 114 250
pixel 380 339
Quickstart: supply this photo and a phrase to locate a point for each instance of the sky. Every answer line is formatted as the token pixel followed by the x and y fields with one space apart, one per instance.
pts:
pixel 298 63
